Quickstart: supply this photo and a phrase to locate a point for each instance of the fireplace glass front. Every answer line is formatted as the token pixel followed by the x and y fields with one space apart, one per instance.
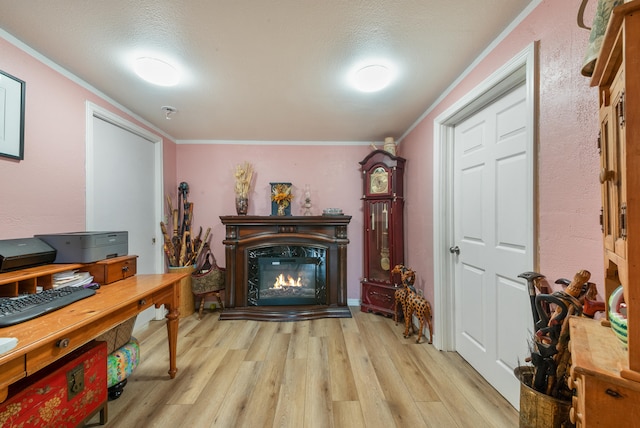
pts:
pixel 295 276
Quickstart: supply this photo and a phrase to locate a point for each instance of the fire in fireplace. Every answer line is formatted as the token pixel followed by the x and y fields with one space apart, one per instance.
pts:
pixel 287 275
pixel 288 281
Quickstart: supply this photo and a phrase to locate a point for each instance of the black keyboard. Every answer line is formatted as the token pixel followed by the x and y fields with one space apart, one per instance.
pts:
pixel 14 310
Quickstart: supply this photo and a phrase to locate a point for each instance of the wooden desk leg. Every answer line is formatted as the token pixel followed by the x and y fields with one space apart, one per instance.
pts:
pixel 172 330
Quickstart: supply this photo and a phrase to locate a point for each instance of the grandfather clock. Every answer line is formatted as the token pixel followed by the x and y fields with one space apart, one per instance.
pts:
pixel 383 198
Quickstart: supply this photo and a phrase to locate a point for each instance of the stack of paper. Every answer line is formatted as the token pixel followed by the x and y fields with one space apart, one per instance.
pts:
pixel 71 278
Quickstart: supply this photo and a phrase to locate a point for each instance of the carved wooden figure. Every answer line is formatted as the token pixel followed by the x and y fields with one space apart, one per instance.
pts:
pixel 407 278
pixel 412 303
pixel 400 296
pixel 422 309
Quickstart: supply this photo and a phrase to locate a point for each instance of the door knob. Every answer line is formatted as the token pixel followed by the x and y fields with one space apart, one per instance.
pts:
pixel 455 249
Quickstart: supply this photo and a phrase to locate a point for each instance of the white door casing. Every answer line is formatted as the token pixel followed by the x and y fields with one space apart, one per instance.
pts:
pixel 484 204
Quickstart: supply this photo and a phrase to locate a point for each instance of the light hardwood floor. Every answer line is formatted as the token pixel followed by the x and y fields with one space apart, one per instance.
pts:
pixel 348 372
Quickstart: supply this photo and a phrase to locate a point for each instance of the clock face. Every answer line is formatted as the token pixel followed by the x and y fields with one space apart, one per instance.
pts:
pixel 379 181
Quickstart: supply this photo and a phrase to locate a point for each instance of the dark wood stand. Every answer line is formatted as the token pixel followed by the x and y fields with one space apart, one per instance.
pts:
pixel 244 233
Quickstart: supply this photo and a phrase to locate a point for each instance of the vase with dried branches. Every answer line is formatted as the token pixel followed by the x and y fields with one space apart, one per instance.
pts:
pixel 243 176
pixel 180 247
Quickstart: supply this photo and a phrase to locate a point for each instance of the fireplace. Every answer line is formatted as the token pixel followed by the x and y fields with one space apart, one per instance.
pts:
pixel 284 276
pixel 285 268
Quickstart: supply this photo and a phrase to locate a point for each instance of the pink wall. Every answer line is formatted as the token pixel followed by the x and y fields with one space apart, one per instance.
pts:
pixel 45 192
pixel 332 172
pixel 569 237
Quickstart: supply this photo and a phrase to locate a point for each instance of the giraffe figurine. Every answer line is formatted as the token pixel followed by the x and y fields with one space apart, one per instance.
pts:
pixel 412 304
pixel 419 306
pixel 407 277
pixel 400 296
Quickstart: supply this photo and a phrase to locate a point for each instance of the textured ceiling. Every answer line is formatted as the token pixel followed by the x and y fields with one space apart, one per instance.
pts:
pixel 265 70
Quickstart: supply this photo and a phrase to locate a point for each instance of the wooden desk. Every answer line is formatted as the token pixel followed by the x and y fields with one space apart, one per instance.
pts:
pixel 43 340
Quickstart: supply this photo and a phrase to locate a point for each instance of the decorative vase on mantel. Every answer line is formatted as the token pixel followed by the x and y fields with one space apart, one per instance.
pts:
pixel 242 205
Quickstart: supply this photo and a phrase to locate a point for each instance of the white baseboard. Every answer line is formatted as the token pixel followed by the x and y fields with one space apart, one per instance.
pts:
pixel 160 313
pixel 353 302
pixel 142 321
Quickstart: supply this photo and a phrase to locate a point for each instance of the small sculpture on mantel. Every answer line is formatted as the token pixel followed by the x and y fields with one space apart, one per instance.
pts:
pixel 306 204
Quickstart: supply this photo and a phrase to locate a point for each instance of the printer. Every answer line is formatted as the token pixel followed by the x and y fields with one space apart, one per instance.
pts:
pixel 87 247
pixel 23 253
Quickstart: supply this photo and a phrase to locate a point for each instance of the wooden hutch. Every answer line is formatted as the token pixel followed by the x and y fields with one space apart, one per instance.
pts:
pixel 605 375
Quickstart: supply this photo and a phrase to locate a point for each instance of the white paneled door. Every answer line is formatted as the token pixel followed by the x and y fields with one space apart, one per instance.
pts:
pixel 493 231
pixel 123 186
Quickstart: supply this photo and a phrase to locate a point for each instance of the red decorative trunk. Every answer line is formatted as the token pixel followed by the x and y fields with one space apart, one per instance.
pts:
pixel 64 394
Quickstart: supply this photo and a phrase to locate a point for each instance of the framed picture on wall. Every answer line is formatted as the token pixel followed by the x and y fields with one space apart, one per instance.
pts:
pixel 12 96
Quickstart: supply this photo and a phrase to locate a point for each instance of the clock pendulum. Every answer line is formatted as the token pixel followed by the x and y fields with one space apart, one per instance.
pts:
pixel 384 251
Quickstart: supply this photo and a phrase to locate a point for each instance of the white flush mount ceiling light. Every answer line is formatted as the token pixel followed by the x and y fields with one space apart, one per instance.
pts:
pixel 156 71
pixel 372 78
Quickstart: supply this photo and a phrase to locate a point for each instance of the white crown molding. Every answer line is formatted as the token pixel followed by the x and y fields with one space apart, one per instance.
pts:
pixel 503 35
pixel 280 143
pixel 66 73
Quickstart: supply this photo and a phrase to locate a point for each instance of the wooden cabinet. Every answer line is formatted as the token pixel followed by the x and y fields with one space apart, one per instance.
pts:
pixel 114 269
pixel 602 397
pixel 617 76
pixel 605 375
pixel 612 170
pixel 383 199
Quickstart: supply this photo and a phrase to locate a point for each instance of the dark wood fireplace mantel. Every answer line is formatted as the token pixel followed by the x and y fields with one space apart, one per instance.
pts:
pixel 244 233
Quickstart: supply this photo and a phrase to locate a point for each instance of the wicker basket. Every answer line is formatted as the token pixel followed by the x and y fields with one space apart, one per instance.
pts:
pixel 208 278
